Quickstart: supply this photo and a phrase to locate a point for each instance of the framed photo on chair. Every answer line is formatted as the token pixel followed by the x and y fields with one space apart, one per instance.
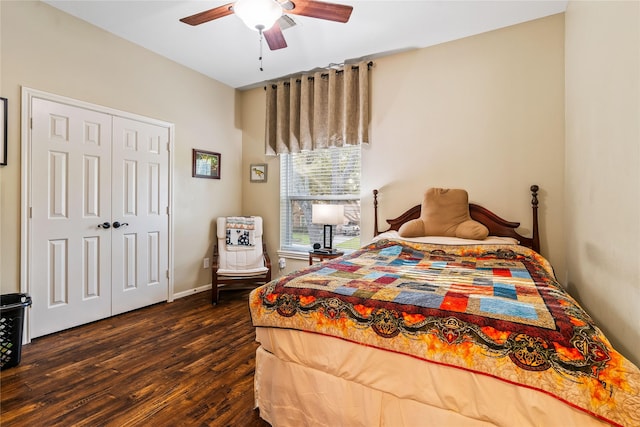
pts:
pixel 258 172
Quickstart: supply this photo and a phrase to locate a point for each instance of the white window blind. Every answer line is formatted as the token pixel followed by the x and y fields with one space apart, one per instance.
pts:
pixel 330 176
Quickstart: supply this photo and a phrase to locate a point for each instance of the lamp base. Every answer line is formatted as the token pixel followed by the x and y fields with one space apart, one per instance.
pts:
pixel 328 238
pixel 325 251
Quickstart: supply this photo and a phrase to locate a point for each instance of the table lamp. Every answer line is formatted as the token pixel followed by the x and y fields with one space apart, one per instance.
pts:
pixel 328 215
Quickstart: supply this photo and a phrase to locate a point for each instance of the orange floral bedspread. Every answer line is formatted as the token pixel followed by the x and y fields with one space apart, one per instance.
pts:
pixel 492 309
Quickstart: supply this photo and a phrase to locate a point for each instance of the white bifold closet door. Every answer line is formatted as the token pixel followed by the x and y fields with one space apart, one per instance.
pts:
pixel 99 215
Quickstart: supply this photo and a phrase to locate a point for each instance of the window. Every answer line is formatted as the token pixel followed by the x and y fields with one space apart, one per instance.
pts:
pixel 329 175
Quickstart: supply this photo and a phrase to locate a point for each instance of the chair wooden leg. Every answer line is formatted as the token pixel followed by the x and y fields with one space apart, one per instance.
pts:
pixel 214 288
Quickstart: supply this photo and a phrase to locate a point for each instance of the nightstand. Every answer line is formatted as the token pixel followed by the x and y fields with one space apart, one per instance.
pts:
pixel 323 256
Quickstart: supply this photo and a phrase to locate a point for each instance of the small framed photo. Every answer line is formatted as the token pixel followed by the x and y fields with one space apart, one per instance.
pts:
pixel 206 164
pixel 258 172
pixel 3 131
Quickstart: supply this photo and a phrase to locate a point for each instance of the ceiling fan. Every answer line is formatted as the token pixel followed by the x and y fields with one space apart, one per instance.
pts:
pixel 263 15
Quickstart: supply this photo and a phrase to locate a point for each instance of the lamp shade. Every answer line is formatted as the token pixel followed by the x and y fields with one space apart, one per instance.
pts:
pixel 259 15
pixel 327 214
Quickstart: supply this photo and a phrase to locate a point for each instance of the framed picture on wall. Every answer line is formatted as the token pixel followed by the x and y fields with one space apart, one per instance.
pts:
pixel 258 172
pixel 206 164
pixel 3 131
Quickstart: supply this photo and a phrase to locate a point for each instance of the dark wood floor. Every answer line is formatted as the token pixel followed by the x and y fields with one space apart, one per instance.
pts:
pixel 176 364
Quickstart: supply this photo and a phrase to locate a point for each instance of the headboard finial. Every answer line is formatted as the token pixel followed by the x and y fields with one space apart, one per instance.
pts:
pixel 534 194
pixel 534 207
pixel 375 212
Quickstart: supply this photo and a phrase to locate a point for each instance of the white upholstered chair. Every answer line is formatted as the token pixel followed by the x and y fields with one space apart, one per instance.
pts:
pixel 238 266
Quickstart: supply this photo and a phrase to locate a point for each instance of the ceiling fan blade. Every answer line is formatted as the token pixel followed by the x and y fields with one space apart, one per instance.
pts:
pixel 275 38
pixel 321 10
pixel 209 15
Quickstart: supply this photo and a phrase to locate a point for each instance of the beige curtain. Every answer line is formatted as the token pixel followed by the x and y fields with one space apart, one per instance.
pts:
pixel 326 108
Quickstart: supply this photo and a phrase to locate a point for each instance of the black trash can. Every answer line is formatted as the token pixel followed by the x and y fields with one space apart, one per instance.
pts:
pixel 11 321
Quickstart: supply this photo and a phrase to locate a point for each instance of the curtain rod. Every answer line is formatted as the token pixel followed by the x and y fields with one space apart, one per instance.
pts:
pixel 353 67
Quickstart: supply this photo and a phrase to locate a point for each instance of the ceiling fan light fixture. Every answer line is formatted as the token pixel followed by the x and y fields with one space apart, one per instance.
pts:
pixel 259 15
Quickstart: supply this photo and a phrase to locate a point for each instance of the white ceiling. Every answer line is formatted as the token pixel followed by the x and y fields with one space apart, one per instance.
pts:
pixel 226 50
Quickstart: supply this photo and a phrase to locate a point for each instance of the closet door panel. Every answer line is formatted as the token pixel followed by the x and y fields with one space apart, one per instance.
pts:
pixel 140 204
pixel 70 259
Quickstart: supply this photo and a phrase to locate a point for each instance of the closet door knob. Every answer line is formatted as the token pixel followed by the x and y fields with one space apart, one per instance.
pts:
pixel 118 225
pixel 105 225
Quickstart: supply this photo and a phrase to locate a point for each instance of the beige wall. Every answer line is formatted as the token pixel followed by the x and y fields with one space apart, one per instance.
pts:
pixel 260 198
pixel 485 113
pixel 603 166
pixel 45 49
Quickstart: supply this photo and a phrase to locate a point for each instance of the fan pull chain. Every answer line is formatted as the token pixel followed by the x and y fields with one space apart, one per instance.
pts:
pixel 260 57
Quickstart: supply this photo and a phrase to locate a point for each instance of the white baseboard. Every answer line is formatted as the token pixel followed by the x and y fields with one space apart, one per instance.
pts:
pixel 188 292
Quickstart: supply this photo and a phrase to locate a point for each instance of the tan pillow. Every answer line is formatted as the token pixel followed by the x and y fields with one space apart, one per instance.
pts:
pixel 445 212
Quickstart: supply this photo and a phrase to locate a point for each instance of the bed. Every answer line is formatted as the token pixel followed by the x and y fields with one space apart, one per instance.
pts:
pixel 436 331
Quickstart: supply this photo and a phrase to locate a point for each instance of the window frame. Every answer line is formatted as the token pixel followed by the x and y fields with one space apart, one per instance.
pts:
pixel 288 247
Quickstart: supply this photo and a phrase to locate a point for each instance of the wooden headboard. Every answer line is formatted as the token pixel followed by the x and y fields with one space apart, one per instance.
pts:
pixel 496 225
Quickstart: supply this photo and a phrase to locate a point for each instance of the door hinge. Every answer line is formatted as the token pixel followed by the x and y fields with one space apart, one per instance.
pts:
pixel 167 274
pixel 30 212
pixel 31 123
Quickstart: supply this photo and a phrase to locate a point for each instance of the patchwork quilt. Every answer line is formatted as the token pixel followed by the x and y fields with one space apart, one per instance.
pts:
pixel 492 309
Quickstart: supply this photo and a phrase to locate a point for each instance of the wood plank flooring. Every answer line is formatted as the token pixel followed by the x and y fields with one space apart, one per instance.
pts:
pixel 172 364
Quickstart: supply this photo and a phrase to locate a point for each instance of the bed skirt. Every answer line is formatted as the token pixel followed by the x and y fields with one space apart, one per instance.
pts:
pixel 298 385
